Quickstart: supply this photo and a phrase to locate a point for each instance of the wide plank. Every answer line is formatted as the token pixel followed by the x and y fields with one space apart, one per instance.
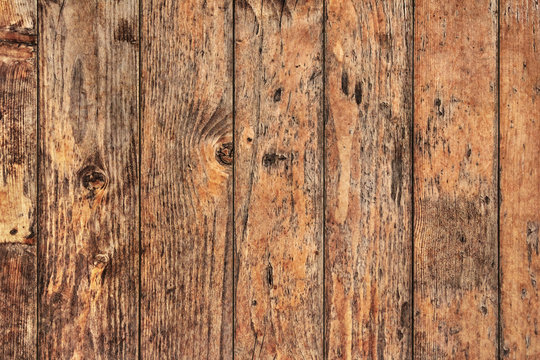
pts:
pixel 88 244
pixel 186 179
pixel 18 184
pixel 278 180
pixel 520 178
pixel 368 179
pixel 455 179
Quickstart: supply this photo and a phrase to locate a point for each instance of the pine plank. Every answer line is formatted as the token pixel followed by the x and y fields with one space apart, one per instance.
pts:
pixel 455 180
pixel 18 153
pixel 278 180
pixel 520 178
pixel 368 172
pixel 186 179
pixel 88 246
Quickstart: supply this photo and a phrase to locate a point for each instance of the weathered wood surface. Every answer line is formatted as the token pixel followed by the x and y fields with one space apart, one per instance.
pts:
pixel 455 179
pixel 88 180
pixel 186 179
pixel 18 179
pixel 520 179
pixel 278 180
pixel 368 172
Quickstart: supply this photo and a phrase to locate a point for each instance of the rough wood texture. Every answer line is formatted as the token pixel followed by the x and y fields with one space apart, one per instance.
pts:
pixel 520 179
pixel 455 179
pixel 278 180
pixel 186 305
pixel 88 252
pixel 368 260
pixel 17 179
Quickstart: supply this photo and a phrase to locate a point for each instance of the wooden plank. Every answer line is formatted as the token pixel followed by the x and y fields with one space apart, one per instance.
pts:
pixel 18 153
pixel 186 305
pixel 455 179
pixel 520 178
pixel 368 172
pixel 88 246
pixel 278 180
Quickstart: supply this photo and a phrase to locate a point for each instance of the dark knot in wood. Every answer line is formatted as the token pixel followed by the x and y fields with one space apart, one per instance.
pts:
pixel 271 159
pixel 92 179
pixel 225 154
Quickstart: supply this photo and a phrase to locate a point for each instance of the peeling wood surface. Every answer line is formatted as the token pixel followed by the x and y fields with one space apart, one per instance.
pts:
pixel 520 179
pixel 88 243
pixel 455 180
pixel 318 179
pixel 18 153
pixel 186 175
pixel 368 221
pixel 278 180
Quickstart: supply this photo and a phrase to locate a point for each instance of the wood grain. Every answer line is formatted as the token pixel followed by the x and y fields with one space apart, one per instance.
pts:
pixel 88 246
pixel 18 183
pixel 278 180
pixel 186 179
pixel 520 179
pixel 455 179
pixel 368 172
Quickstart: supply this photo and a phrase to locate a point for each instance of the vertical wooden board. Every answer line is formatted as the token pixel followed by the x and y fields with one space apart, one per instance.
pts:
pixel 520 178
pixel 186 304
pixel 278 180
pixel 88 252
pixel 455 179
pixel 368 172
pixel 18 185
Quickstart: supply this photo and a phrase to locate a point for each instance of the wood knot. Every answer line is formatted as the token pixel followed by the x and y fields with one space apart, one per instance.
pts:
pixel 277 95
pixel 225 154
pixel 92 178
pixel 271 159
pixel 101 260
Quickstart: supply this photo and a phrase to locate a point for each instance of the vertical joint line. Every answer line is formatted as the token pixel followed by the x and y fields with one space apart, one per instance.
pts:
pixel 498 129
pixel 139 100
pixel 38 160
pixel 411 140
pixel 233 215
pixel 323 136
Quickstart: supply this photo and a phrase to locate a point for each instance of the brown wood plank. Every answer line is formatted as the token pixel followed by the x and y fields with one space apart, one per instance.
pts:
pixel 520 178
pixel 186 178
pixel 18 153
pixel 368 172
pixel 88 246
pixel 278 180
pixel 455 179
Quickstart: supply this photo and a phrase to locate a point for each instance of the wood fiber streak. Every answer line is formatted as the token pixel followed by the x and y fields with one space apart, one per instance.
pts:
pixel 186 304
pixel 455 180
pixel 278 180
pixel 88 252
pixel 18 183
pixel 520 179
pixel 368 214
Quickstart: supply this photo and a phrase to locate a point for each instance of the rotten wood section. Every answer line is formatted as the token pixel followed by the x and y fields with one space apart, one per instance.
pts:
pixel 278 179
pixel 18 184
pixel 186 179
pixel 455 179
pixel 88 245
pixel 368 179
pixel 520 178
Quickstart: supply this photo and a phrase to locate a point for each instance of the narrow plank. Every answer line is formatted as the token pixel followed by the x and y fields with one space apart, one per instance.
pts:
pixel 186 304
pixel 88 246
pixel 368 172
pixel 18 153
pixel 520 178
pixel 455 179
pixel 278 180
